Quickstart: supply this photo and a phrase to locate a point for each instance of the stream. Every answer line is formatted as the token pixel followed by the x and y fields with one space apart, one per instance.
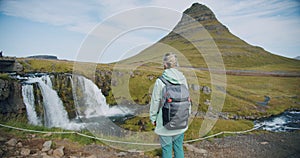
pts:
pixel 287 121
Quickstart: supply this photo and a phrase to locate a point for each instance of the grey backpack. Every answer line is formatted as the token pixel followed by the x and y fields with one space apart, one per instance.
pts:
pixel 175 105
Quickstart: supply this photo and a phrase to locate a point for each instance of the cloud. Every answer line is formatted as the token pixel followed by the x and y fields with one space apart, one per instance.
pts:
pixel 257 22
pixel 271 24
pixel 73 15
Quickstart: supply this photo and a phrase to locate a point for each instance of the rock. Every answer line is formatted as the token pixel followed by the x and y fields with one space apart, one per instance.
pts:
pixel 17 152
pixel 195 87
pixel 4 89
pixel 264 143
pixel 206 90
pixel 47 145
pixel 194 149
pixel 1 152
pixel 142 153
pixel 50 152
pixel 47 156
pixel 207 102
pixel 35 155
pixel 132 151
pixel 121 154
pixel 59 152
pixel 19 145
pixel 2 139
pixel 25 152
pixel 92 156
pixel 48 134
pixel 43 154
pixel 151 77
pixel 4 148
pixel 11 100
pixel 12 142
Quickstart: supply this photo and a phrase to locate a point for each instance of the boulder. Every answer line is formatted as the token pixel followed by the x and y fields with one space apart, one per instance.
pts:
pixel 59 152
pixel 12 142
pixel 25 152
pixel 206 90
pixel 47 145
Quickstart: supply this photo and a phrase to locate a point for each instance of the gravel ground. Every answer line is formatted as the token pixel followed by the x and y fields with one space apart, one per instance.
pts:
pixel 267 145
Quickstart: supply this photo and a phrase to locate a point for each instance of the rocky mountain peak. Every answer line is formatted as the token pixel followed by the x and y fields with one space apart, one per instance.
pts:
pixel 203 15
pixel 200 12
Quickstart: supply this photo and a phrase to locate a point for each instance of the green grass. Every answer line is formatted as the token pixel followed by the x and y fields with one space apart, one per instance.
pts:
pixel 220 126
pixel 195 126
pixel 243 92
pixel 4 76
pixel 21 122
pixel 44 65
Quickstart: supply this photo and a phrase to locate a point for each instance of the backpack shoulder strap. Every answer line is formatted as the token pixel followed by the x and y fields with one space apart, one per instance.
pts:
pixel 166 82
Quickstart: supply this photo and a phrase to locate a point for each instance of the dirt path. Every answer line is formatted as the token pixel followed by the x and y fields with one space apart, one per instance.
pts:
pixel 273 145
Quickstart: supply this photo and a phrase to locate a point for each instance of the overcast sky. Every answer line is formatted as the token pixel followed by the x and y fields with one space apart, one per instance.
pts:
pixel 59 27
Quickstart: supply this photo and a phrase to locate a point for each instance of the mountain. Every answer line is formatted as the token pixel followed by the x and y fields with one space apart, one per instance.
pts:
pixel 199 34
pixel 43 57
pixel 298 58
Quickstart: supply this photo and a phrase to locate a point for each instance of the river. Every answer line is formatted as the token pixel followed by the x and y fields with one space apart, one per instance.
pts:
pixel 287 121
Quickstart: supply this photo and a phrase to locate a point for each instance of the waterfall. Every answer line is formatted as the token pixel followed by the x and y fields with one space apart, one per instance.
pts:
pixel 88 98
pixel 46 79
pixel 55 114
pixel 28 98
pixel 90 101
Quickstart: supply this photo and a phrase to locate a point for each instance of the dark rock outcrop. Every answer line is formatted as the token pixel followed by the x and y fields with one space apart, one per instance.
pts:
pixel 10 64
pixel 11 97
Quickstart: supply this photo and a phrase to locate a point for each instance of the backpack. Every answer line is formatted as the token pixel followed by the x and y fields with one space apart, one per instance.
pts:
pixel 175 105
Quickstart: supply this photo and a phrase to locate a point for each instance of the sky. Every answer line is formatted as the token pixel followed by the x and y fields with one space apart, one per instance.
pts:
pixel 62 27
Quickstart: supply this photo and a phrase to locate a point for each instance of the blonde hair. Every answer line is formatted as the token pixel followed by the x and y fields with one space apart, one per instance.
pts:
pixel 170 60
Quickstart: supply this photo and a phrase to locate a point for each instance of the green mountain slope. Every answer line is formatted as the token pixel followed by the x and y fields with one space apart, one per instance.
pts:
pixel 200 25
pixel 252 73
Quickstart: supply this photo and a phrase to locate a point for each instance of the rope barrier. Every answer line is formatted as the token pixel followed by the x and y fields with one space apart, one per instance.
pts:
pixel 123 142
pixel 224 132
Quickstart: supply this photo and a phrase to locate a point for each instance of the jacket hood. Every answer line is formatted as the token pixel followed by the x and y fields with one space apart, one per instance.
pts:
pixel 174 76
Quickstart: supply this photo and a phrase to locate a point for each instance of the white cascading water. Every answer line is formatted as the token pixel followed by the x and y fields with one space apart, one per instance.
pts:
pixel 55 114
pixel 46 79
pixel 90 102
pixel 28 98
pixel 94 103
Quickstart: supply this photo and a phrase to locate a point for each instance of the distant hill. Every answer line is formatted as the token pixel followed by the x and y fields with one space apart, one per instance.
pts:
pixel 298 58
pixel 236 53
pixel 43 57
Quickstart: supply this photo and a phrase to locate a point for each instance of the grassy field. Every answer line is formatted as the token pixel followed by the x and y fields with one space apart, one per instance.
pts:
pixel 242 92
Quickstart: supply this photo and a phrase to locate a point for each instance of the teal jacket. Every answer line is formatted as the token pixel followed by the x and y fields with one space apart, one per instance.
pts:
pixel 174 76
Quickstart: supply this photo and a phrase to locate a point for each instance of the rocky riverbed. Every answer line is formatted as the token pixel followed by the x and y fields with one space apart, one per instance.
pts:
pixel 251 145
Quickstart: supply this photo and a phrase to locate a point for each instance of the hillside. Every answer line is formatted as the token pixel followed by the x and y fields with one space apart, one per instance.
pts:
pixel 199 33
pixel 202 42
